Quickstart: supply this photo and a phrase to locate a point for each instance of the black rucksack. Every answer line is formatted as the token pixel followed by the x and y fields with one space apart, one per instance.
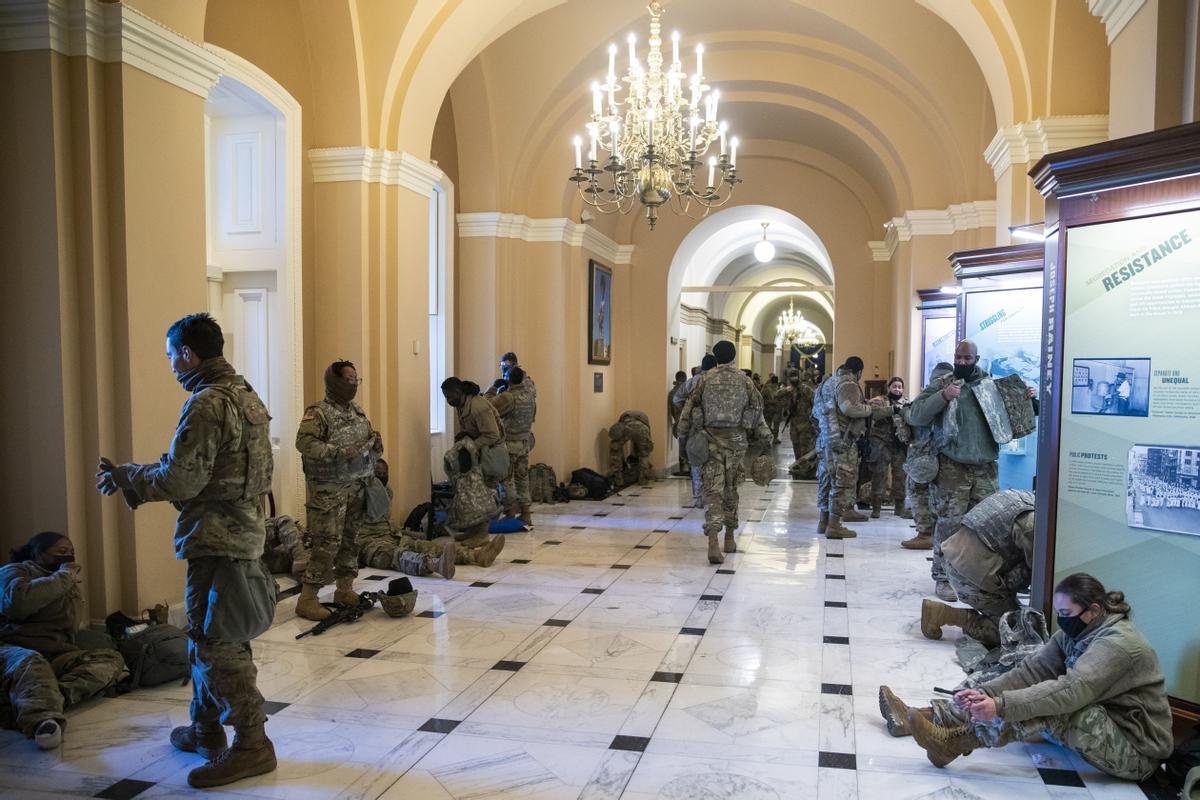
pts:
pixel 1184 758
pixel 596 484
pixel 155 655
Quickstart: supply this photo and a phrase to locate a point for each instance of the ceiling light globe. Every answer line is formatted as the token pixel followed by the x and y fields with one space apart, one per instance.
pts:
pixel 764 251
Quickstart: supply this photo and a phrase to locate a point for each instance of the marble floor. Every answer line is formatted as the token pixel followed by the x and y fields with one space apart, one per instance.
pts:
pixel 600 657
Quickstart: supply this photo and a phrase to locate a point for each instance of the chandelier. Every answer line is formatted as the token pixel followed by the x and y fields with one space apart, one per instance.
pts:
pixel 793 328
pixel 657 137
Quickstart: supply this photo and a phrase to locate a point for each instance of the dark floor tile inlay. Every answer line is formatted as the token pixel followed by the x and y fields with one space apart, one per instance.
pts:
pixel 832 577
pixel 1061 777
pixel 836 688
pixel 376 578
pixel 834 604
pixel 519 561
pixel 124 789
pixel 600 514
pixel 620 566
pixel 834 555
pixel 674 517
pixel 837 640
pixel 435 725
pixel 272 707
pixel 510 666
pixel 592 591
pixel 692 631
pixel 295 590
pixel 481 584
pixel 552 541
pixel 634 744
pixel 432 614
pixel 837 760
pixel 362 652
pixel 557 623
pixel 661 530
pixel 667 677
pixel 579 527
pixel 716 597
pixel 725 571
pixel 642 546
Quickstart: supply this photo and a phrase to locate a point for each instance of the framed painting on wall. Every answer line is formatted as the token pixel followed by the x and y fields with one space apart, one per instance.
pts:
pixel 599 318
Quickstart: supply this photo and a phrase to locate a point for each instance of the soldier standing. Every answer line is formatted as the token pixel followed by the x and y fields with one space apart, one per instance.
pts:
pixel 920 464
pixel 673 418
pixel 889 447
pixel 339 449
pixel 517 407
pixel 842 415
pixel 967 450
pixel 217 470
pixel 773 406
pixel 800 425
pixel 694 440
pixel 727 409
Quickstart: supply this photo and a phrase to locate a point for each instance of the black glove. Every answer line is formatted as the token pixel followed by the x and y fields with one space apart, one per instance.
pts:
pixel 499 385
pixel 110 477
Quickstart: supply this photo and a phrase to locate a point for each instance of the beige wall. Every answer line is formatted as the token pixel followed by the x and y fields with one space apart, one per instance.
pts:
pixel 1151 84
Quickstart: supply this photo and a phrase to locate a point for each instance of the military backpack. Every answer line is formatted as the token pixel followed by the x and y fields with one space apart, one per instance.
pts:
pixel 542 482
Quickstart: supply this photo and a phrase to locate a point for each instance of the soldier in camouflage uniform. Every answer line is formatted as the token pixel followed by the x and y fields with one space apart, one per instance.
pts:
pixel 1096 687
pixel 694 441
pixel 42 670
pixel 474 503
pixel 673 420
pixel 921 458
pixel 988 560
pixel 284 550
pixel 339 448
pixel 774 405
pixel 517 407
pixel 216 473
pixel 633 428
pixel 889 446
pixel 799 409
pixel 383 546
pixel 726 408
pixel 842 415
pixel 967 450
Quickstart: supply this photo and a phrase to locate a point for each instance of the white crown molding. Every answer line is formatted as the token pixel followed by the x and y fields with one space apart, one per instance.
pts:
pixel 946 222
pixel 496 225
pixel 371 165
pixel 111 33
pixel 1026 142
pixel 1115 14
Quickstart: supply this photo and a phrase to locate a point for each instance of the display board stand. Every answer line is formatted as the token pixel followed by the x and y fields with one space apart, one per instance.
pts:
pixel 1000 309
pixel 1120 422
pixel 939 315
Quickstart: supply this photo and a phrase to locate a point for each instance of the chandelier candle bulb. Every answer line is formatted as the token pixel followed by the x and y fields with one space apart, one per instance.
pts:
pixel 596 99
pixel 712 168
pixel 592 147
pixel 699 60
pixel 650 128
pixel 579 153
pixel 674 50
pixel 692 136
pixel 612 63
pixel 721 130
pixel 733 145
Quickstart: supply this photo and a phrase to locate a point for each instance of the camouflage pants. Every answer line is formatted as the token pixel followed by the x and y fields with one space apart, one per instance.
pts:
pixel 837 479
pixel 224 678
pixel 917 496
pixel 720 478
pixel 992 605
pixel 801 434
pixel 639 437
pixel 335 514
pixel 1089 731
pixel 382 549
pixel 35 688
pixel 516 485
pixel 957 489
pixel 684 464
pixel 889 458
pixel 774 419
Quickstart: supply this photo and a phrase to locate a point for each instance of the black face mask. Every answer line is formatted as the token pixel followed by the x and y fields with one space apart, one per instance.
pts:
pixel 964 371
pixel 897 394
pixel 54 562
pixel 1072 626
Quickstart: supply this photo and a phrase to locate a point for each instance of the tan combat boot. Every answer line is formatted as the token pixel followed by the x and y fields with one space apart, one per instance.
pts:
pixel 252 754
pixel 730 542
pixel 836 530
pixel 934 615
pixel 823 522
pixel 714 549
pixel 852 514
pixel 895 712
pixel 308 606
pixel 444 564
pixel 345 594
pixel 876 507
pixel 208 742
pixel 941 745
pixel 485 554
pixel 922 541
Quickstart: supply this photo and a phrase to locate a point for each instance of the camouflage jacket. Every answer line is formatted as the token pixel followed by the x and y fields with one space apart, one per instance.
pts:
pixel 972 442
pixel 473 502
pixel 217 470
pixel 39 610
pixel 325 431
pixel 517 408
pixel 728 403
pixel 885 431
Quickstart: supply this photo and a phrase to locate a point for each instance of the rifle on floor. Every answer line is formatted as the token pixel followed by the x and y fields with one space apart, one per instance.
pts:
pixel 342 614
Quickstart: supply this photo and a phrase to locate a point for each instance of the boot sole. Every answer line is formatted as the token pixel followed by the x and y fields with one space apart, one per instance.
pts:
pixel 894 726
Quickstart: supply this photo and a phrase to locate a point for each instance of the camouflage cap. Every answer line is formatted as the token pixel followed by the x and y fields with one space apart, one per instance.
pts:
pixel 398 605
pixel 762 469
